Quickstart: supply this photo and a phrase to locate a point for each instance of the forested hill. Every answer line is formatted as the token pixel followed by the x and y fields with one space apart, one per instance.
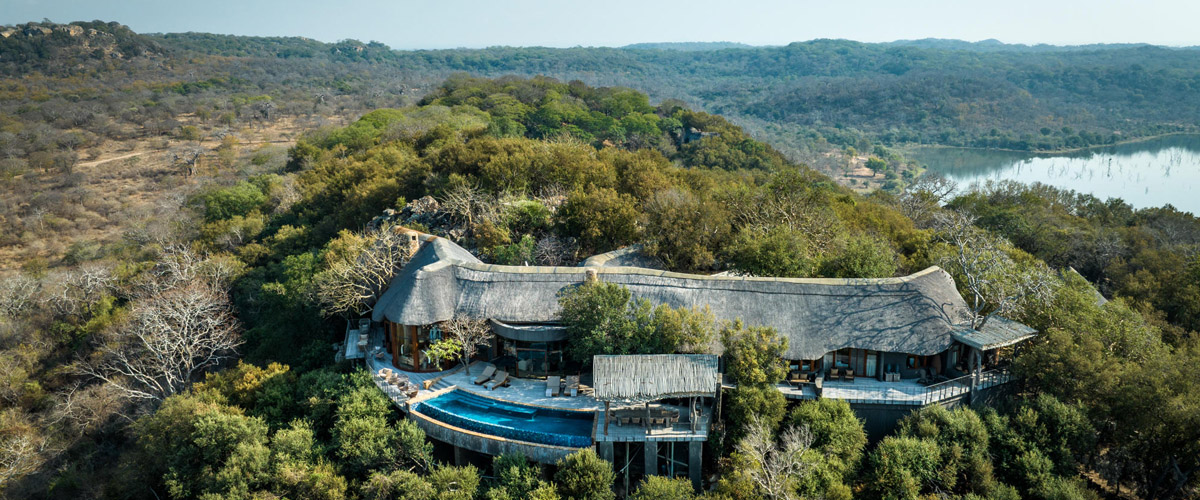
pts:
pixel 1018 99
pixel 687 46
pixel 798 97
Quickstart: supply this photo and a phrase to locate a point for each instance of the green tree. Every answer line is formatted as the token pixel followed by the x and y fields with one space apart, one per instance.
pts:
pixel 596 317
pixel 518 479
pixel 664 488
pixel 583 475
pixel 684 230
pixel 397 485
pixel 365 435
pixel 199 445
pixel 863 257
pixel 964 465
pixel 837 447
pixel 454 483
pixel 240 199
pixel 600 217
pixel 779 251
pixel 753 355
pixel 876 164
pixel 903 467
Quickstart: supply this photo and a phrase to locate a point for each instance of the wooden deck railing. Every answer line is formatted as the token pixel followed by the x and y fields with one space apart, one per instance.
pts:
pixel 392 392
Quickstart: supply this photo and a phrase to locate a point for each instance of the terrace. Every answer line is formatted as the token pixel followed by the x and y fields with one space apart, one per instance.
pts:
pixel 428 399
pixel 903 392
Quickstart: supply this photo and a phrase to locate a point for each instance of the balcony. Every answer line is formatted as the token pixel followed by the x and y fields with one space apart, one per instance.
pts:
pixel 904 392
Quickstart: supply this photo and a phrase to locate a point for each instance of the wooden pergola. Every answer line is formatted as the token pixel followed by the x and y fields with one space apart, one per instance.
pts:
pixel 642 379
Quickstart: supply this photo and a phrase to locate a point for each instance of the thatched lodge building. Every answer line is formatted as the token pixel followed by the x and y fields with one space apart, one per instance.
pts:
pixel 886 345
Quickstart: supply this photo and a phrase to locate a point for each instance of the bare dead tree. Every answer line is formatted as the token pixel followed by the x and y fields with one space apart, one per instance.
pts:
pixel 471 333
pixel 286 195
pixel 551 250
pixel 263 109
pixel 70 292
pixel 925 196
pixel 18 293
pixel 776 467
pixel 994 282
pixel 21 453
pixel 354 281
pixel 171 338
pixel 469 204
pixel 189 158
pixel 86 407
pixel 785 204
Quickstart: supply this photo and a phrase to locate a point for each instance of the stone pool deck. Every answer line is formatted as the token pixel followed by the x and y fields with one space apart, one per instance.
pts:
pixel 522 391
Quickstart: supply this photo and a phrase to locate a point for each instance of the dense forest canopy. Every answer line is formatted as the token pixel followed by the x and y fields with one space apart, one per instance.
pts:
pixel 550 169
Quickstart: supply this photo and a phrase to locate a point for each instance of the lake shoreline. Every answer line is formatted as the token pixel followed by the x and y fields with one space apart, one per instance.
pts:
pixel 1049 152
pixel 1145 173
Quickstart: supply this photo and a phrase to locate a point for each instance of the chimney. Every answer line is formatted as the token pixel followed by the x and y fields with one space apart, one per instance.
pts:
pixel 412 239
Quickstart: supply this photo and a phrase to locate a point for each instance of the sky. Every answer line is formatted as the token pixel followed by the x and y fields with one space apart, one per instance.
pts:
pixel 436 24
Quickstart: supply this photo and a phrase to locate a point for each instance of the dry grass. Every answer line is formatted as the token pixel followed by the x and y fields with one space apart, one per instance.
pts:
pixel 118 186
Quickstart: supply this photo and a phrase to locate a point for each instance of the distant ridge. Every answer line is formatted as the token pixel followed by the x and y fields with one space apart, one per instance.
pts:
pixel 689 46
pixel 993 45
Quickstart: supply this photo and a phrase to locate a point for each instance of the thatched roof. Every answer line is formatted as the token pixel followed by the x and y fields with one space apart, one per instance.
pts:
pixel 647 377
pixel 996 332
pixel 630 256
pixel 913 314
pixel 530 333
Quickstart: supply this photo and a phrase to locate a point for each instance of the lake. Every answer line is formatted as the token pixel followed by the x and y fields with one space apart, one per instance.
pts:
pixel 1148 173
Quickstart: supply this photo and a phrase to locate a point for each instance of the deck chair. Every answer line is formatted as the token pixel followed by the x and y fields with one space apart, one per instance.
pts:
pixel 501 378
pixel 552 386
pixel 835 374
pixel 849 376
pixel 572 385
pixel 488 371
pixel 794 378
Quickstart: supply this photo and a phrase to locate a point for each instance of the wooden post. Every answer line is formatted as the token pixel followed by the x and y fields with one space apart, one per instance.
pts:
pixel 976 371
pixel 627 462
pixel 647 419
pixel 606 403
pixel 692 413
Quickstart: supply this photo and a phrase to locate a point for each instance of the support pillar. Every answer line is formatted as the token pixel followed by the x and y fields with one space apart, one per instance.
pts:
pixel 606 417
pixel 650 453
pixel 976 372
pixel 458 456
pixel 605 450
pixel 695 462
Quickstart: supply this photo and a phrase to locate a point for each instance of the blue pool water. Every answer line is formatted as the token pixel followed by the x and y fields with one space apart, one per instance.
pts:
pixel 510 420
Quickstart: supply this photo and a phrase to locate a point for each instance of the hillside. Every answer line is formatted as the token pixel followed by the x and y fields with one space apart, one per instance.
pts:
pixel 151 180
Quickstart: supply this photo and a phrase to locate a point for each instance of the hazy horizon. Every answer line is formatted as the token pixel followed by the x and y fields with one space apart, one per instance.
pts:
pixel 526 23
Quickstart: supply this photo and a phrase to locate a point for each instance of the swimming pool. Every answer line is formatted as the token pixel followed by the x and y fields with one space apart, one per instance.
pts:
pixel 511 420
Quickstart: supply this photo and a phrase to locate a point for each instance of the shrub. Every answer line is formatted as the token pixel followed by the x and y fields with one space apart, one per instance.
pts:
pixel 240 199
pixel 583 475
pixel 901 467
pixel 664 488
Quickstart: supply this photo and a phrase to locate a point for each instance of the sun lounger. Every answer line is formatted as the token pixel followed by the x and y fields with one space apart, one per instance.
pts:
pixel 572 385
pixel 501 378
pixel 552 386
pixel 488 371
